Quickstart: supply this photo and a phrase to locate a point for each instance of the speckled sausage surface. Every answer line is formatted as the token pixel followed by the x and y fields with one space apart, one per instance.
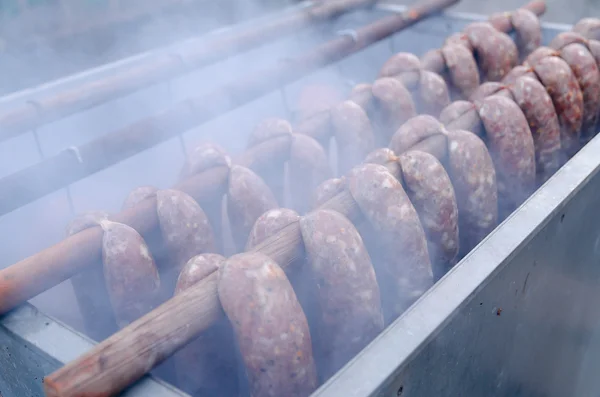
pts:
pixel 459 38
pixel 406 64
pixel 584 67
pixel 386 157
pixel 495 52
pixel 203 157
pixel 137 195
pixel 394 106
pixel 346 288
pixel 462 69
pixel 308 168
pixel 430 190
pixel 462 115
pixel 561 83
pixel 473 177
pixel 89 286
pixel 528 31
pixel 401 261
pixel 130 273
pixel 518 71
pixel 271 330
pixel 272 174
pixel 433 60
pixel 207 365
pixel 588 27
pixel 317 126
pixel 423 133
pixel 362 95
pixel 537 106
pixel 490 88
pixel 510 144
pixel 353 133
pixel 433 94
pixel 327 190
pixel 248 197
pixel 185 230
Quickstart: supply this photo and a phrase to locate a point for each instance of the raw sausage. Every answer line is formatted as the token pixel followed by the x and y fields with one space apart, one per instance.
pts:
pixel 269 325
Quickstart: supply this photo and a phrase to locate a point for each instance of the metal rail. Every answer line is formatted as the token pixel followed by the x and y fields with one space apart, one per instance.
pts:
pixel 164 64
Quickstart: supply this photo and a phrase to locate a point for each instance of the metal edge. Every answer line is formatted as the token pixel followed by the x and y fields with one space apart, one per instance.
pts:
pixel 137 59
pixel 59 342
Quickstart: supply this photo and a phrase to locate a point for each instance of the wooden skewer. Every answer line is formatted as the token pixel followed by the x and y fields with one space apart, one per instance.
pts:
pixel 32 114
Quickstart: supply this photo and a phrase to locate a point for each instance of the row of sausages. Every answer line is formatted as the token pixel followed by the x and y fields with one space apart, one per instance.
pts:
pixel 415 196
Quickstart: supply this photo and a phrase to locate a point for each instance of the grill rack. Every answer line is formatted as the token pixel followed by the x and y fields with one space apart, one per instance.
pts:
pixel 482 276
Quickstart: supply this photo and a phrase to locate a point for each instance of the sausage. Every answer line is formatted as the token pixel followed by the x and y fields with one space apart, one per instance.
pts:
pixel 434 61
pixel 518 71
pixel 462 115
pixel 207 365
pixel 353 134
pixel 511 147
pixel 462 68
pixel 185 230
pixel 459 38
pixel 248 197
pixel 131 276
pixel 402 262
pixel 588 27
pixel 584 67
pixel 346 288
pixel 308 167
pixel 273 176
pixel 394 106
pixel 202 158
pixel 561 84
pixel 495 52
pixel 403 64
pixel 433 94
pixel 318 127
pixel 423 133
pixel 269 325
pixel 327 190
pixel 536 104
pixel 473 177
pixel 314 99
pixel 528 31
pixel 563 39
pixel 430 190
pixel 89 286
pixel 137 195
pixel 490 88
pixel 387 158
pixel 362 95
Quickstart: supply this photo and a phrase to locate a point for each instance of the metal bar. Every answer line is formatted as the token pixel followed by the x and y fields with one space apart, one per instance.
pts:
pixel 165 65
pixel 63 169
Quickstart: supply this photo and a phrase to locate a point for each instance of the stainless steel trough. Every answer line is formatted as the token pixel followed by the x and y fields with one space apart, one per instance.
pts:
pixel 517 317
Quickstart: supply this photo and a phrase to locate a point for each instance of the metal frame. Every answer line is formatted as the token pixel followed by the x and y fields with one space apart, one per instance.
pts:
pixel 515 318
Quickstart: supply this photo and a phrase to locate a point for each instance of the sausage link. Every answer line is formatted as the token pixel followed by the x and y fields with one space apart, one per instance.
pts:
pixel 511 146
pixel 462 115
pixel 528 31
pixel 405 64
pixel 473 176
pixel 130 273
pixel 137 195
pixel 327 190
pixel 308 167
pixel 490 88
pixel 353 133
pixel 423 133
pixel 430 190
pixel 495 51
pixel 185 230
pixel 517 72
pixel 269 325
pixel 89 286
pixel 433 94
pixel 273 176
pixel 386 157
pixel 561 84
pixel 248 197
pixel 206 366
pixel 395 107
pixel 402 262
pixel 346 288
pixel 588 27
pixel 462 67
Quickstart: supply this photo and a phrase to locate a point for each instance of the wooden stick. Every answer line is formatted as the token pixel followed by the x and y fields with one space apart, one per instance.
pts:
pixel 58 171
pixel 32 114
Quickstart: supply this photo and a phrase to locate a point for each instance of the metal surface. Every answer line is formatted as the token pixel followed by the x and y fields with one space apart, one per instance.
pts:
pixel 33 345
pixel 517 317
